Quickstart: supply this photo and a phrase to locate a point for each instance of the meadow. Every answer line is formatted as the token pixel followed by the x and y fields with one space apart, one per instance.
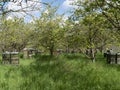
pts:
pixel 64 72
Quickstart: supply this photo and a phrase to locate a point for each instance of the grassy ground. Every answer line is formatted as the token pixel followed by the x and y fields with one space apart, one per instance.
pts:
pixel 66 72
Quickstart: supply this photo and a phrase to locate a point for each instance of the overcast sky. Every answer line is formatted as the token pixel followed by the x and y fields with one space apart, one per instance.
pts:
pixel 65 7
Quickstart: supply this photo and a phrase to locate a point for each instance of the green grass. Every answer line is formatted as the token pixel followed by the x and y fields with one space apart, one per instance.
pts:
pixel 65 72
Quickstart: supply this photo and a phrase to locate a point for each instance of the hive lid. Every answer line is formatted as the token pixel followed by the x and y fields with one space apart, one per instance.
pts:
pixel 28 49
pixel 10 52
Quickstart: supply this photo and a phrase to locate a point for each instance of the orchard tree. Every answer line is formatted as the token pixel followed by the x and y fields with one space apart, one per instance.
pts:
pixel 95 26
pixel 95 33
pixel 14 35
pixel 72 33
pixel 48 29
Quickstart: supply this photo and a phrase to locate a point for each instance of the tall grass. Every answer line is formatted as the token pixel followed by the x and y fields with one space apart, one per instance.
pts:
pixel 65 72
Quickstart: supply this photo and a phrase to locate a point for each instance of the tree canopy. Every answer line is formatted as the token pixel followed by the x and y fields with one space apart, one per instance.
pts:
pixel 92 26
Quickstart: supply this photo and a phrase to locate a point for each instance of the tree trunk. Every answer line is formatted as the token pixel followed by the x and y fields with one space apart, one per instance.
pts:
pixel 92 54
pixel 101 49
pixel 51 50
pixel 87 52
pixel 3 50
pixel 67 49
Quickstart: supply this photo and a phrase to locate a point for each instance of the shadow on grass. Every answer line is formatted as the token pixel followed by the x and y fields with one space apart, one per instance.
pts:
pixel 44 57
pixel 43 74
pixel 75 57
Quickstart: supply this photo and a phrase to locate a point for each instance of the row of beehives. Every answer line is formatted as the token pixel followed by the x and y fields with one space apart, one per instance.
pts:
pixel 13 57
pixel 112 58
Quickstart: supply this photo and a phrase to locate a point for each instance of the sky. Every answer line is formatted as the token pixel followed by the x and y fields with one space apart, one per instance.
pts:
pixel 64 7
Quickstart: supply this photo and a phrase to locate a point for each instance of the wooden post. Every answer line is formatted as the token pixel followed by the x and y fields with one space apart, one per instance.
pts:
pixel 108 58
pixel 10 59
pixel 116 56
